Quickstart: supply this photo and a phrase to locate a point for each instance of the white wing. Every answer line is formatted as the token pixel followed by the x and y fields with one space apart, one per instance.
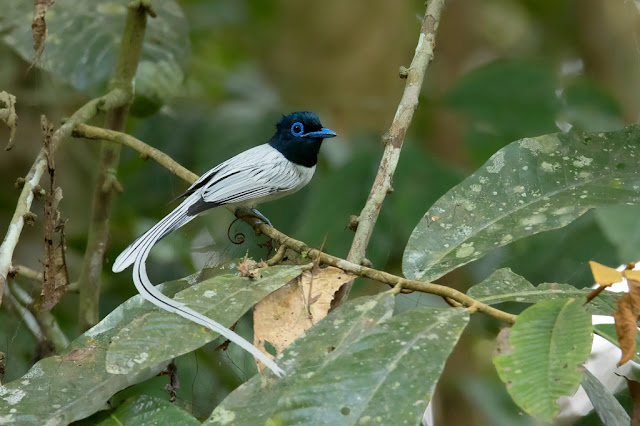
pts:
pixel 256 175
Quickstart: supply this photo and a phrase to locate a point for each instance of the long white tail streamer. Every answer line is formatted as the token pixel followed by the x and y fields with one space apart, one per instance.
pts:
pixel 137 254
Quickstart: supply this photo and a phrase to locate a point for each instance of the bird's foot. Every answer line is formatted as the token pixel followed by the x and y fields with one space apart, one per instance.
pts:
pixel 261 218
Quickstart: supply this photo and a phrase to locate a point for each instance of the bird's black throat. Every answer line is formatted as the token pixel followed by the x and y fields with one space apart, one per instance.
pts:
pixel 303 152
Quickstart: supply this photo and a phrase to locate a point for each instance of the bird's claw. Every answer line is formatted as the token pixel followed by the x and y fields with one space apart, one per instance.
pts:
pixel 262 219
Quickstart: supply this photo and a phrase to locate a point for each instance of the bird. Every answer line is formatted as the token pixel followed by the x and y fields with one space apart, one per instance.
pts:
pixel 280 167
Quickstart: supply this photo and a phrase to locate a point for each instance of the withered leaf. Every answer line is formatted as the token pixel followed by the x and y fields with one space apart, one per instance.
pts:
pixel 39 27
pixel 286 313
pixel 249 268
pixel 55 275
pixel 8 115
pixel 626 318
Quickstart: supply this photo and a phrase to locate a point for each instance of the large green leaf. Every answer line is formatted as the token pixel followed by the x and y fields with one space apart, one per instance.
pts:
pixel 504 285
pixel 541 362
pixel 530 186
pixel 357 365
pixel 149 411
pixel 607 406
pixel 75 384
pixel 161 335
pixel 84 38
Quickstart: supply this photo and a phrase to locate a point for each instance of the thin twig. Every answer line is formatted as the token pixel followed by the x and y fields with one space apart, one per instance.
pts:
pixel 345 265
pixel 91 273
pixel 26 272
pixel 276 258
pixel 394 138
pixel 25 315
pixel 48 323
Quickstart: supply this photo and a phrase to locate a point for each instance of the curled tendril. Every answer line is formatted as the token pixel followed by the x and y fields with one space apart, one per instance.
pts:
pixel 237 238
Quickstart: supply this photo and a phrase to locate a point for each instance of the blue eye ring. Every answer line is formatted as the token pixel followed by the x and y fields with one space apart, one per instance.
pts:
pixel 297 129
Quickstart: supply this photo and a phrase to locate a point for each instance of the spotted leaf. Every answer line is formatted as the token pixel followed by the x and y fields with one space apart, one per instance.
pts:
pixel 529 186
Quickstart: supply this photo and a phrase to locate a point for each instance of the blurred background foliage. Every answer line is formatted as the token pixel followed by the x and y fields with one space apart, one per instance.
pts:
pixel 504 69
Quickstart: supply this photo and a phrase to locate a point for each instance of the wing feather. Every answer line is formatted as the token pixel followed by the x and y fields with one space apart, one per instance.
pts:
pixel 252 175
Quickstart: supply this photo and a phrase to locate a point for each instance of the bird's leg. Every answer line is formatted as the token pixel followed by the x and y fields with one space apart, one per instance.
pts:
pixel 262 218
pixel 255 213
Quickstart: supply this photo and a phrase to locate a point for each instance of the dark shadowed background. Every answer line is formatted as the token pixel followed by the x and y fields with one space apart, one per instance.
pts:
pixel 503 70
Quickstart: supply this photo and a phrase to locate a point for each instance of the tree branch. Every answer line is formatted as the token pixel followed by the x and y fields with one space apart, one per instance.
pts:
pixel 111 100
pixel 89 280
pixel 299 246
pixel 26 272
pixel 93 132
pixel 394 138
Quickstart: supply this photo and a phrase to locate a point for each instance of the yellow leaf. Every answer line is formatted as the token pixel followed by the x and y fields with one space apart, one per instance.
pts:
pixel 631 275
pixel 604 275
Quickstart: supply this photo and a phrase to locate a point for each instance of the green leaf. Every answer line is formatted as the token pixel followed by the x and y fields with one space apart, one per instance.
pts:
pixel 621 227
pixel 357 365
pixel 530 186
pixel 75 384
pixel 607 406
pixel 590 107
pixel 547 344
pixel 608 332
pixel 161 335
pixel 149 411
pixel 486 95
pixel 84 38
pixel 504 285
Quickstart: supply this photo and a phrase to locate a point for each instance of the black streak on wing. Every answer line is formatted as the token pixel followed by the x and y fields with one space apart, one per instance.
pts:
pixel 195 187
pixel 200 206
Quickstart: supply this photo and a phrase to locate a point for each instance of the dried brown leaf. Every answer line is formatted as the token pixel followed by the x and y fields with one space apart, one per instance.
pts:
pixel 626 318
pixel 286 313
pixel 8 116
pixel 55 274
pixel 39 27
pixel 249 268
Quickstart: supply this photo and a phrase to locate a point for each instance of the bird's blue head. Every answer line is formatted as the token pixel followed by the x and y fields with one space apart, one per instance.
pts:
pixel 299 136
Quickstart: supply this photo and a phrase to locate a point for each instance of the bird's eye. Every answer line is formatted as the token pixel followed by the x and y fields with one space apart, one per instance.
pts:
pixel 297 129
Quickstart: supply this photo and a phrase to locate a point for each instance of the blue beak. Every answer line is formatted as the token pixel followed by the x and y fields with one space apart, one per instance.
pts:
pixel 323 133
